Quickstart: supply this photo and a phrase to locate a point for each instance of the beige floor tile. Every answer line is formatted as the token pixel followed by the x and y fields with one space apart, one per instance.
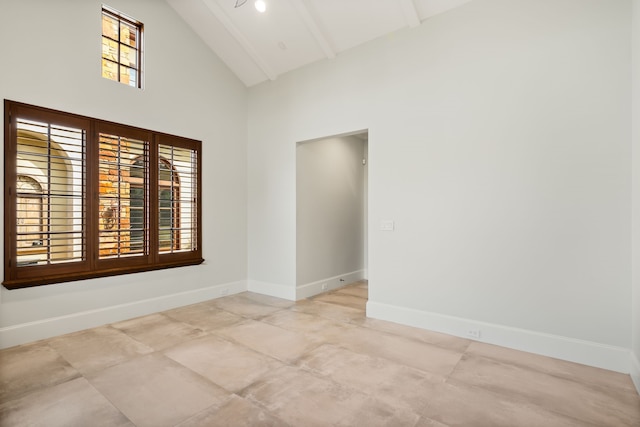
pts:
pixel 599 378
pixel 364 284
pixel 428 422
pixel 73 403
pixel 391 382
pixel 273 341
pixel 431 337
pixel 329 311
pixel 244 305
pixel 156 391
pixel 342 299
pixel 415 354
pixel 236 412
pixel 607 408
pixel 225 363
pixel 354 291
pixel 304 363
pixel 460 405
pixel 31 366
pixel 159 331
pixel 204 316
pixel 302 399
pixel 314 327
pixel 97 348
pixel 375 412
pixel 267 300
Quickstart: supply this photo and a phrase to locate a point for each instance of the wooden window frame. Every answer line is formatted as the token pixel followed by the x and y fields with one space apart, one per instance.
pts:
pixel 139 26
pixel 91 265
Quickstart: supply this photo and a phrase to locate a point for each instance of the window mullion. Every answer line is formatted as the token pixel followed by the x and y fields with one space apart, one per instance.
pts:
pixel 153 202
pixel 119 50
pixel 48 218
pixel 92 202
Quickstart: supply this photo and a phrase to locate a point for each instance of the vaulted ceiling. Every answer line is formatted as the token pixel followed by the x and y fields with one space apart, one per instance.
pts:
pixel 291 33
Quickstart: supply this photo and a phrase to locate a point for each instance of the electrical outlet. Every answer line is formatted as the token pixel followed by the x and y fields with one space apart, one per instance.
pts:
pixel 387 225
pixel 473 333
pixel 324 286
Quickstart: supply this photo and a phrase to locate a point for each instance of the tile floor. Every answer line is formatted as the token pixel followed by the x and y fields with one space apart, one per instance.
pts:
pixel 253 360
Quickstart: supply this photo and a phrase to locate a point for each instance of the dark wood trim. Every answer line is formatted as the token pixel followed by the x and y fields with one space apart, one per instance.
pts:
pixel 9 184
pixel 190 144
pixel 92 266
pixel 92 196
pixel 69 277
pixel 154 215
pixel 139 38
pixel 122 132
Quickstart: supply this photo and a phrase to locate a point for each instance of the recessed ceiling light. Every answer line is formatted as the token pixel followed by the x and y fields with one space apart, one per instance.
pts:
pixel 261 6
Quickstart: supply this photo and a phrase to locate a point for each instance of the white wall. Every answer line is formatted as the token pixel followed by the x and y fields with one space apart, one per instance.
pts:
pixel 635 365
pixel 50 56
pixel 330 212
pixel 499 144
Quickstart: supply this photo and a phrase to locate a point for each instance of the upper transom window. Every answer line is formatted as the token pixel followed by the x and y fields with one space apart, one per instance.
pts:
pixel 121 48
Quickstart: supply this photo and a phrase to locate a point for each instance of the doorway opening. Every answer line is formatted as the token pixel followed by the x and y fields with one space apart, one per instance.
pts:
pixel 331 213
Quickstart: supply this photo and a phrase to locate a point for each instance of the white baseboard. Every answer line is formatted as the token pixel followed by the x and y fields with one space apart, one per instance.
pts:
pixel 310 289
pixel 54 326
pixel 272 289
pixel 635 371
pixel 559 347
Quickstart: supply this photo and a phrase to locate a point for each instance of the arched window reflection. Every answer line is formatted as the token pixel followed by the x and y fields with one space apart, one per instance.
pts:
pixel 168 204
pixel 29 216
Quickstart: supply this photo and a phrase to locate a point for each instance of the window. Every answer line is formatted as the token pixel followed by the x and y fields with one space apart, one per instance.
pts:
pixel 177 193
pixel 87 198
pixel 169 206
pixel 121 48
pixel 30 225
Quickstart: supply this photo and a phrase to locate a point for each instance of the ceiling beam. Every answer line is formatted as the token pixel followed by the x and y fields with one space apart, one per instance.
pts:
pixel 224 19
pixel 410 13
pixel 313 27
